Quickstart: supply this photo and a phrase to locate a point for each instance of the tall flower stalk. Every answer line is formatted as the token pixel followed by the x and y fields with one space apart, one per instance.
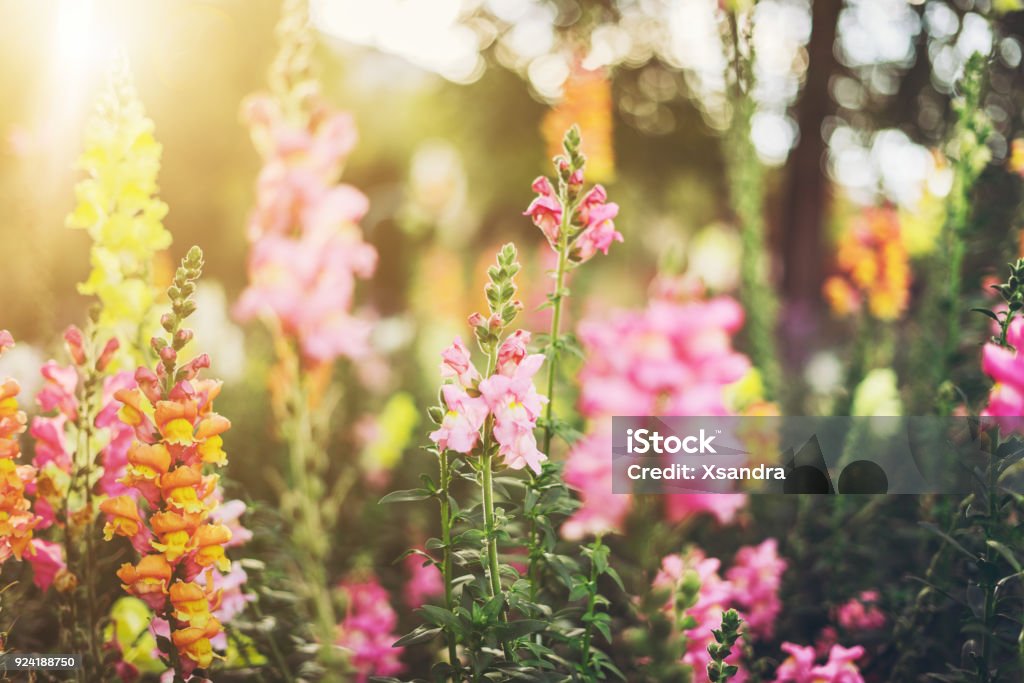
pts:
pixel 577 225
pixel 941 310
pixel 307 254
pixel 746 187
pixel 178 440
pixel 17 521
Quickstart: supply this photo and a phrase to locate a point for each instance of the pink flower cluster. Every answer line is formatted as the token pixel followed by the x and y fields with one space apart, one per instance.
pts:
pixel 751 588
pixel 756 576
pixel 1006 368
pixel 57 399
pixel 593 227
pixel 508 395
pixel 424 582
pixel 307 248
pixel 861 613
pixel 674 357
pixel 367 630
pixel 800 666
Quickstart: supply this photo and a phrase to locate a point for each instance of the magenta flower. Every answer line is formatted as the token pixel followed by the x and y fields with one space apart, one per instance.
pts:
pixel 592 228
pixel 756 576
pixel 424 581
pixel 367 630
pixel 713 600
pixel 588 470
pixel 799 667
pixel 46 559
pixel 1006 368
pixel 674 357
pixel 861 613
pixel 460 428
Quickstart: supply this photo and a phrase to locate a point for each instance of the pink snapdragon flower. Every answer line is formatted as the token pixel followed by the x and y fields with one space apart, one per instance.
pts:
pixel 800 666
pixel 424 581
pixel 593 222
pixel 714 598
pixel 367 630
pixel 674 357
pixel 307 249
pixel 1006 368
pixel 46 559
pixel 546 210
pixel 516 405
pixel 756 576
pixel 589 471
pixel 861 613
pixel 460 428
pixel 509 396
pixel 457 363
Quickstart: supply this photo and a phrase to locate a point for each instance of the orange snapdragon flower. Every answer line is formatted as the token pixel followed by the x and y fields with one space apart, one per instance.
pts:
pixel 17 521
pixel 873 268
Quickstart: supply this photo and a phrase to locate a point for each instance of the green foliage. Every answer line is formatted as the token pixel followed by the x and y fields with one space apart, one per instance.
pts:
pixel 725 639
pixel 1012 293
pixel 985 542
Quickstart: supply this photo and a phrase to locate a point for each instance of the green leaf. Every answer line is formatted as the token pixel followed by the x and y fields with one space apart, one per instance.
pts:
pixel 405 496
pixel 420 634
pixel 1006 553
pixel 440 616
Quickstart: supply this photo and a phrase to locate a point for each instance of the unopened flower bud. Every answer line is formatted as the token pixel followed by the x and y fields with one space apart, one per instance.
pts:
pixel 476 320
pixel 182 337
pixel 107 354
pixel 75 343
pixel 168 354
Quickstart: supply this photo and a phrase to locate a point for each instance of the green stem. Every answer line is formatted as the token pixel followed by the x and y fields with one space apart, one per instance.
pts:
pixel 312 536
pixel 990 588
pixel 588 630
pixel 556 317
pixel 446 558
pixel 557 297
pixel 487 485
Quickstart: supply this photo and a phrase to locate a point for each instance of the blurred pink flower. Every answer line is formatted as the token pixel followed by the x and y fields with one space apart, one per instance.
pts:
pixel 674 357
pixel 861 613
pixel 756 575
pixel 367 630
pixel 799 667
pixel 58 391
pixel 114 456
pixel 1006 368
pixel 588 470
pixel 307 248
pixel 424 581
pixel 46 558
pixel 714 598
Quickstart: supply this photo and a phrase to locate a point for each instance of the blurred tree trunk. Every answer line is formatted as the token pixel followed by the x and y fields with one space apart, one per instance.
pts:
pixel 804 205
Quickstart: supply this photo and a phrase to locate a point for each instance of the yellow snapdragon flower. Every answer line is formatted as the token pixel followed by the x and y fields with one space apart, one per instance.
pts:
pixel 117 205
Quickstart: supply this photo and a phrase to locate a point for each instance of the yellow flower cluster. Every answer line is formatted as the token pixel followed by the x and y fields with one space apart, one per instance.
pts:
pixel 118 206
pixel 873 268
